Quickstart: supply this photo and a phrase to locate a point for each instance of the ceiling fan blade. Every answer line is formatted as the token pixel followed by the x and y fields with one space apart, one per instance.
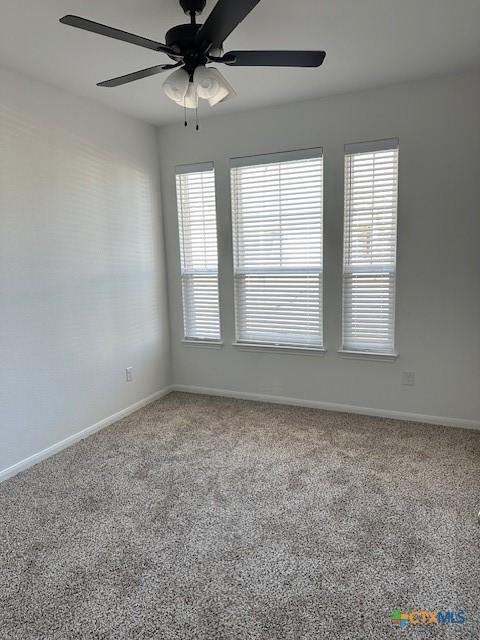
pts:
pixel 110 32
pixel 137 75
pixel 224 17
pixel 274 58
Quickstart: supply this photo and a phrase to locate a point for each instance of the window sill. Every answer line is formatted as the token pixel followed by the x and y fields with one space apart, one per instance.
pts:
pixel 279 348
pixel 206 344
pixel 368 355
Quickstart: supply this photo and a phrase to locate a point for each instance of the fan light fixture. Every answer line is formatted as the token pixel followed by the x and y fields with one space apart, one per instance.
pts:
pixel 206 83
pixel 192 46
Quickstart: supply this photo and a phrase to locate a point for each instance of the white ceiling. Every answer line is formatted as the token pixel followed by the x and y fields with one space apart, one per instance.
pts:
pixel 368 42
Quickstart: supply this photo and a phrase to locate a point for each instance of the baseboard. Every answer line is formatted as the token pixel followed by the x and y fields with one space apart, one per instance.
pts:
pixel 80 435
pixel 332 406
pixel 229 393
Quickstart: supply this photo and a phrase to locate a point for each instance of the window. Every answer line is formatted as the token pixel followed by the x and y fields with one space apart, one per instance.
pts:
pixel 277 203
pixel 370 239
pixel 198 251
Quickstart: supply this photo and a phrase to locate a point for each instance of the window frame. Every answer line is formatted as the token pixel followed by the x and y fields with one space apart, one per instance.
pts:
pixel 186 273
pixel 363 352
pixel 238 274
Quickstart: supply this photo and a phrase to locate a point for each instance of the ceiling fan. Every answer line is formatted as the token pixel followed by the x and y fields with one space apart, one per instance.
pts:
pixel 192 46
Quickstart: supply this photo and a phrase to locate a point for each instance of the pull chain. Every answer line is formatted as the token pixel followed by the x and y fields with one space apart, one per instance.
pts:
pixel 185 112
pixel 196 115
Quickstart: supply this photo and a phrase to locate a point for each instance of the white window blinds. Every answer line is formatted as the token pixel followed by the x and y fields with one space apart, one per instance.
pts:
pixel 198 251
pixel 277 208
pixel 370 240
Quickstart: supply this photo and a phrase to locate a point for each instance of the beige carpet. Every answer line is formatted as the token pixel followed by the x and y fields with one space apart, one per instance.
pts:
pixel 208 518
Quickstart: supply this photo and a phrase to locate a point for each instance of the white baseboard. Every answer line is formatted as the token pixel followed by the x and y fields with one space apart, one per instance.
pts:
pixel 80 435
pixel 332 406
pixel 228 393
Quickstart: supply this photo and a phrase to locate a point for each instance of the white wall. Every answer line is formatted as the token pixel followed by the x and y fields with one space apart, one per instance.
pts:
pixel 82 278
pixel 438 286
pixel 82 286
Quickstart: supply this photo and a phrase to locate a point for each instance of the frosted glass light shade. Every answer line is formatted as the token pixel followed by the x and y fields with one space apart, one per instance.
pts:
pixel 225 92
pixel 206 82
pixel 176 85
pixel 211 85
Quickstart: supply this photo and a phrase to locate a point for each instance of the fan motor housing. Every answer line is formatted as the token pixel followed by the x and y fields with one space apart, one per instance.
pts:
pixel 182 40
pixel 182 36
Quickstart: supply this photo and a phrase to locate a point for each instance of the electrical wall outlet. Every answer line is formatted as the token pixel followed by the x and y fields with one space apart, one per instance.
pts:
pixel 408 378
pixel 129 374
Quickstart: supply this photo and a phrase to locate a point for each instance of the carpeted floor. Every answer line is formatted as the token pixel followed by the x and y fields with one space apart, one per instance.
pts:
pixel 209 518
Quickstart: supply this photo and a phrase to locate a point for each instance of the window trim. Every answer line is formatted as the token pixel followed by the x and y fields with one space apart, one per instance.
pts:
pixel 183 169
pixel 371 146
pixel 206 343
pixel 381 356
pixel 274 158
pixel 263 347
